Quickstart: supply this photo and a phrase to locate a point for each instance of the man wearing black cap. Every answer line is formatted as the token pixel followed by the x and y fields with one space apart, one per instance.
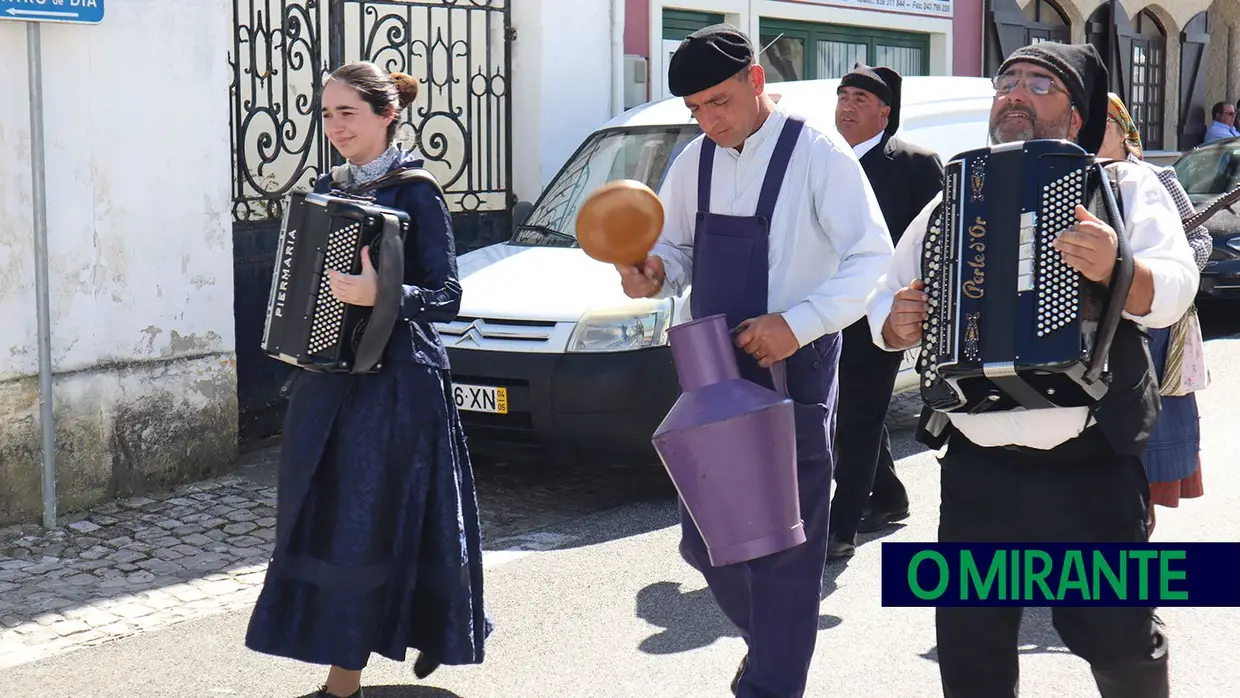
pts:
pixel 904 177
pixel 1058 474
pixel 772 222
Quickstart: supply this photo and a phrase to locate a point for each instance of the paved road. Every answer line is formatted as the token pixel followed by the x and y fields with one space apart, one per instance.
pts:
pixel 595 604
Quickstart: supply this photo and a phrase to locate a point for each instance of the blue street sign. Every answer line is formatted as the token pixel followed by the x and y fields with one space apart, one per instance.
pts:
pixel 66 11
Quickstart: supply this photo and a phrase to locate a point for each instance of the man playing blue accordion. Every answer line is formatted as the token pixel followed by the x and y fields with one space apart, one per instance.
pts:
pixel 1058 473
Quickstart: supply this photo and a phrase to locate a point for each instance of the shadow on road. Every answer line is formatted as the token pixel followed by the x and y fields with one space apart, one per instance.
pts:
pixel 692 620
pixel 402 692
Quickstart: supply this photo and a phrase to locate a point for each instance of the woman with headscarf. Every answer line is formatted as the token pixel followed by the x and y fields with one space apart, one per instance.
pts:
pixel 1173 456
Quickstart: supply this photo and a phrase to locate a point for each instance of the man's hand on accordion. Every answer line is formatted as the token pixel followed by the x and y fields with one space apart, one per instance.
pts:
pixel 909 310
pixel 359 290
pixel 1089 247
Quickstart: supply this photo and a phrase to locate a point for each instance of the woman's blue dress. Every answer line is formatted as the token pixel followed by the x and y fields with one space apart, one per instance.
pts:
pixel 1171 454
pixel 378 542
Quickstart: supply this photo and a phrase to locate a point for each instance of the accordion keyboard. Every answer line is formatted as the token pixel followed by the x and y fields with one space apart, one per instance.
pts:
pixel 328 317
pixel 1058 299
pixel 939 267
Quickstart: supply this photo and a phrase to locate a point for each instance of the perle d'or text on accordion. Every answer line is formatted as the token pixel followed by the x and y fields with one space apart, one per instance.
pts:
pixel 307 326
pixel 1010 325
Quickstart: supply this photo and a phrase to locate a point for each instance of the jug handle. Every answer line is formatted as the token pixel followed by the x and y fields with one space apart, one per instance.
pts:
pixel 779 377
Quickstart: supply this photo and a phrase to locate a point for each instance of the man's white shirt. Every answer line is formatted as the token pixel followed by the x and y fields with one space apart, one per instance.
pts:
pixel 828 245
pixel 1155 236
pixel 867 145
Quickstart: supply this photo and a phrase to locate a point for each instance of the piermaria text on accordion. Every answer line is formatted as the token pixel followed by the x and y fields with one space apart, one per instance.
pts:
pixel 286 272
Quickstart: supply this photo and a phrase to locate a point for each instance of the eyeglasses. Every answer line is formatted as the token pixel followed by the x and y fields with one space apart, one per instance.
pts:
pixel 1036 84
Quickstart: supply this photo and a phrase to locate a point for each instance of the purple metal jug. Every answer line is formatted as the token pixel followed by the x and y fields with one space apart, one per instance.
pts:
pixel 729 446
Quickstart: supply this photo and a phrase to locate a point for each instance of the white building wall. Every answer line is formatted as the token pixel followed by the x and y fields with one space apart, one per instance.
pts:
pixel 141 291
pixel 561 83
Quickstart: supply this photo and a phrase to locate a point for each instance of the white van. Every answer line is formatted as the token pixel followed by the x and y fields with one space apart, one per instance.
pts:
pixel 550 358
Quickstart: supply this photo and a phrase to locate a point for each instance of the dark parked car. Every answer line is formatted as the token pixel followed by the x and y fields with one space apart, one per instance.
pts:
pixel 1207 172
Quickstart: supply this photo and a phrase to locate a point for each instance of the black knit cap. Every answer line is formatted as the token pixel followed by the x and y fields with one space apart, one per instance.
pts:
pixel 707 57
pixel 883 83
pixel 1082 71
pixel 869 79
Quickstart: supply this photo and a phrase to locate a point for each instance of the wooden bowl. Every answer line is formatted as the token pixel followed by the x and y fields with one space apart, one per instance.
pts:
pixel 619 222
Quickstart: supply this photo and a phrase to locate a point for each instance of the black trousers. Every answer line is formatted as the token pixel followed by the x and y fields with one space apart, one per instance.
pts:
pixel 1079 492
pixel 865 472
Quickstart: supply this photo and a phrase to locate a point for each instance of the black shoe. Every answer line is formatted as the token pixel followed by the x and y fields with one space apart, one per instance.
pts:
pixel 324 694
pixel 424 665
pixel 877 520
pixel 838 549
pixel 740 670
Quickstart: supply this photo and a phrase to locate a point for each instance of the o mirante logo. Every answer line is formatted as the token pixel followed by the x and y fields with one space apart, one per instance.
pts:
pixel 1061 574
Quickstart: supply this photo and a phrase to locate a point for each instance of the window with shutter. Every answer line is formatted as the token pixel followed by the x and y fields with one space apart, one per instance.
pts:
pixel 1193 111
pixel 1046 23
pixel 1147 90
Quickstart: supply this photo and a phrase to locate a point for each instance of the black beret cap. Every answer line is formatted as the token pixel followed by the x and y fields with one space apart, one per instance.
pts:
pixel 1080 68
pixel 869 79
pixel 707 57
pixel 882 82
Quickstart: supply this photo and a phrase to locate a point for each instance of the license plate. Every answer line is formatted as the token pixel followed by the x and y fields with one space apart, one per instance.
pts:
pixel 480 398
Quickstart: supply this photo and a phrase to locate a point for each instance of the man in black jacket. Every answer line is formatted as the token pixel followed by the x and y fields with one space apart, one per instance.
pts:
pixel 905 177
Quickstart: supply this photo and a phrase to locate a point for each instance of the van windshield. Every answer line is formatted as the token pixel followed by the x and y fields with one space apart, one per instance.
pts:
pixel 642 154
pixel 1210 170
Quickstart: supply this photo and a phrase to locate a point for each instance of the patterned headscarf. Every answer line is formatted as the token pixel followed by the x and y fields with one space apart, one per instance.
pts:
pixel 1117 111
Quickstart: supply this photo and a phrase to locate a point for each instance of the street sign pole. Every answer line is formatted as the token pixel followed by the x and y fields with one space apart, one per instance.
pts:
pixel 38 190
pixel 35 13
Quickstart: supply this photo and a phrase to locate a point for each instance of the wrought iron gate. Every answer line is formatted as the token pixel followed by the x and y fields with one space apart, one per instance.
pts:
pixel 460 52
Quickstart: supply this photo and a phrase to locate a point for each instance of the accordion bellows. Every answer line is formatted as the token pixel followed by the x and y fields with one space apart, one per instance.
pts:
pixel 307 326
pixel 1010 324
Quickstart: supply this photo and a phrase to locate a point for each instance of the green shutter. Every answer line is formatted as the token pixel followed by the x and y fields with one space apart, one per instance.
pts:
pixel 810 34
pixel 678 24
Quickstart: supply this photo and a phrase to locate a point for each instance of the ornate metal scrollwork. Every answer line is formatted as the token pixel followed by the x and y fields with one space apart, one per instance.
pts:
pixel 458 52
pixel 458 49
pixel 277 65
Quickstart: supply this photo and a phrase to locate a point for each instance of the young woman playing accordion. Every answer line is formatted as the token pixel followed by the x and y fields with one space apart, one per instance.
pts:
pixel 378 540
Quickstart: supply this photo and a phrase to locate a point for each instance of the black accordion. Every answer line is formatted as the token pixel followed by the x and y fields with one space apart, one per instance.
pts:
pixel 1010 325
pixel 307 326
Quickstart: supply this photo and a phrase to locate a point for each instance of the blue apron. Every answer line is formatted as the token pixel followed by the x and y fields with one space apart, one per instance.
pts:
pixel 774 600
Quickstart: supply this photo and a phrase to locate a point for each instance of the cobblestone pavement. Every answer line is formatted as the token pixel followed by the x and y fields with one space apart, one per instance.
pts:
pixel 131 566
pixel 148 562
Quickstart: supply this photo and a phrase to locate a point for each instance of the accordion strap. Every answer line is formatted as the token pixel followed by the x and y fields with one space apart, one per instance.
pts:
pixel 389 295
pixel 1121 279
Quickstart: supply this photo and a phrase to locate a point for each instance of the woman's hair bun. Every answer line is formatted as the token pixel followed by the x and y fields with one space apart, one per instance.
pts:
pixel 406 87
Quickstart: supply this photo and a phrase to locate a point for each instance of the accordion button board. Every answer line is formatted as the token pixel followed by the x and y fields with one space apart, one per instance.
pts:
pixel 328 319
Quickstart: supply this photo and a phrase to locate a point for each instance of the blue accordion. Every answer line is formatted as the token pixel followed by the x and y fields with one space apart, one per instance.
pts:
pixel 1010 324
